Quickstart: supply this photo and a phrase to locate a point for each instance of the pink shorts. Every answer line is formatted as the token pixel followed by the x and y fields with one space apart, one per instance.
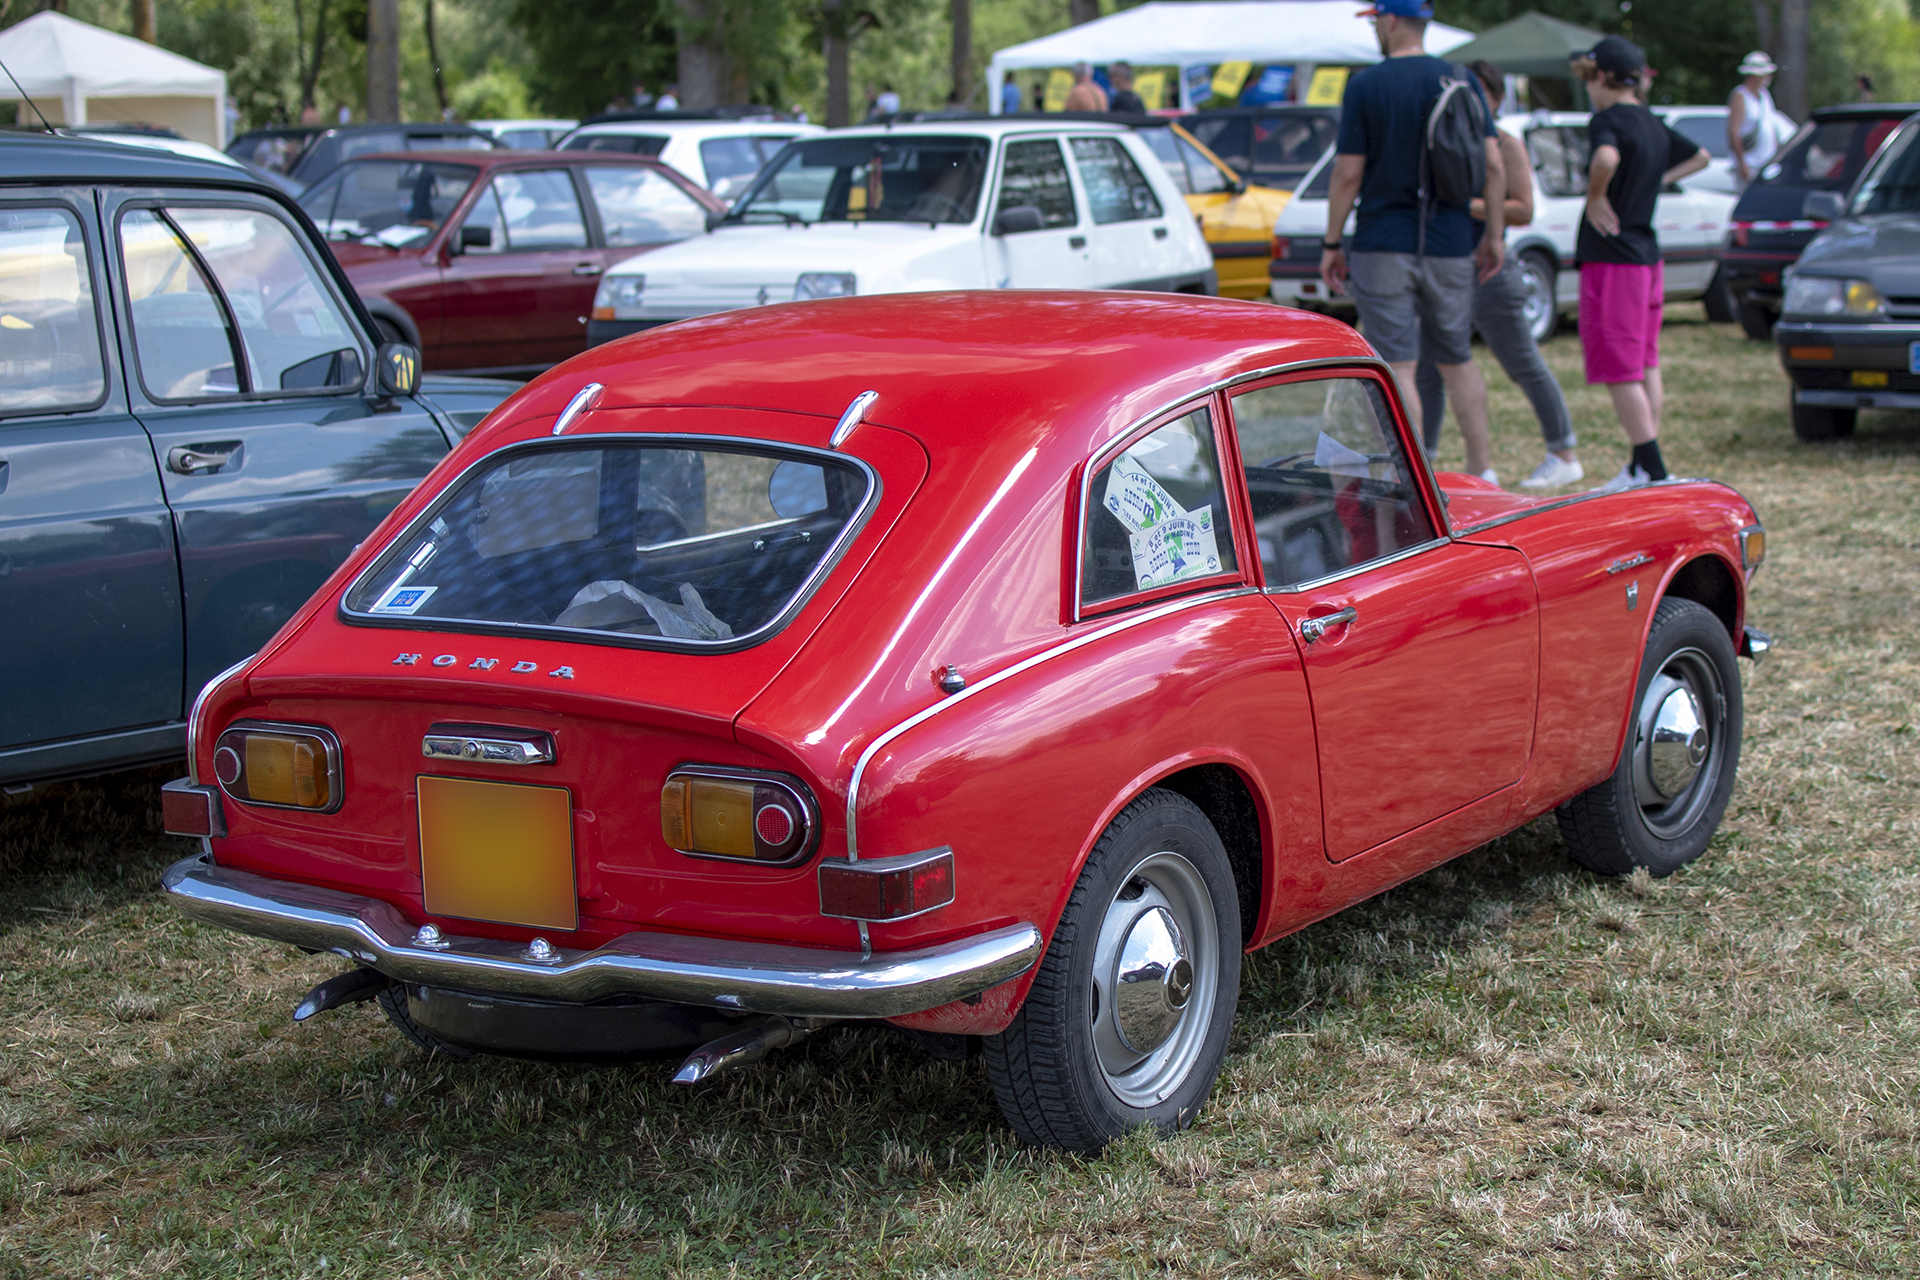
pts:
pixel 1620 320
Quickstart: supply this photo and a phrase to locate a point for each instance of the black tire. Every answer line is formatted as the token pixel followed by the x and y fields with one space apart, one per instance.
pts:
pixel 1822 424
pixel 1061 1071
pixel 1670 788
pixel 1755 320
pixel 1718 299
pixel 1539 309
pixel 393 1002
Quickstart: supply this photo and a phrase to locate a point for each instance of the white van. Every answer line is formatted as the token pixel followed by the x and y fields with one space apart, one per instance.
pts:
pixel 1692 224
pixel 941 205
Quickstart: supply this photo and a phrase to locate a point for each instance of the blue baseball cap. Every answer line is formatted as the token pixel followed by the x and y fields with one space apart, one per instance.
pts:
pixel 1399 9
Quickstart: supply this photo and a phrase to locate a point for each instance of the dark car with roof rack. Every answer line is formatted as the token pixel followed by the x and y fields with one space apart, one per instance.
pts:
pixel 198 423
pixel 1770 224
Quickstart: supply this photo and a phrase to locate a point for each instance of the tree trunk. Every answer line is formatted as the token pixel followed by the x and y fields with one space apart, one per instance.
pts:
pixel 310 74
pixel 433 56
pixel 1763 23
pixel 1792 81
pixel 962 51
pixel 142 13
pixel 702 60
pixel 383 60
pixel 1079 11
pixel 837 75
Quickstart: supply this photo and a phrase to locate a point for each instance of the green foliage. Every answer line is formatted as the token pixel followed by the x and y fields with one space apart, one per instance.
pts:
pixel 586 53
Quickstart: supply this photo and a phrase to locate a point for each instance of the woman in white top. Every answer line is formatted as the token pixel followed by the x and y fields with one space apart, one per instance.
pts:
pixel 1752 136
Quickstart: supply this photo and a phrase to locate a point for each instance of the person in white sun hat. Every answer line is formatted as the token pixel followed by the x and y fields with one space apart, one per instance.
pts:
pixel 1753 132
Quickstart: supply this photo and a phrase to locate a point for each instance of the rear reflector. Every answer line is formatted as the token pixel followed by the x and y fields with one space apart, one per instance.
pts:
pixel 190 810
pixel 711 811
pixel 887 888
pixel 287 766
pixel 1809 353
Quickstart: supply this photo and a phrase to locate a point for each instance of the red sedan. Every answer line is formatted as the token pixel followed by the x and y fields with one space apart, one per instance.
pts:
pixel 487 261
pixel 1002 665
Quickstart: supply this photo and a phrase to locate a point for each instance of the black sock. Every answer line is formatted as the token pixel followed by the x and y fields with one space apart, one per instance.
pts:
pixel 1647 458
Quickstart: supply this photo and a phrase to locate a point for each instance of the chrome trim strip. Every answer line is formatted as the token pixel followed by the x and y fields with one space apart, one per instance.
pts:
pixel 573 635
pixel 1126 436
pixel 988 682
pixel 583 400
pixel 758 977
pixel 855 414
pixel 1557 503
pixel 199 704
pixel 1314 584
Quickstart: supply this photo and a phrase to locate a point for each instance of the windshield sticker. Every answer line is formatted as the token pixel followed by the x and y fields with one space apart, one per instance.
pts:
pixel 1181 546
pixel 1136 498
pixel 612 605
pixel 403 600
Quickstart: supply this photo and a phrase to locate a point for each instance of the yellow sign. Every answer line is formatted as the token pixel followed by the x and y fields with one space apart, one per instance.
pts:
pixel 1059 85
pixel 1152 88
pixel 1229 78
pixel 1328 87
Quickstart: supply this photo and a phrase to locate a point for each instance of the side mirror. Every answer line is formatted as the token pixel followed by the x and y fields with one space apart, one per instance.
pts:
pixel 1018 219
pixel 1824 206
pixel 396 369
pixel 475 238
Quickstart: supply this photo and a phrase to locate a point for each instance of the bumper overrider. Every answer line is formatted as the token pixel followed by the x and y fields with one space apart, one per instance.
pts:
pixel 755 977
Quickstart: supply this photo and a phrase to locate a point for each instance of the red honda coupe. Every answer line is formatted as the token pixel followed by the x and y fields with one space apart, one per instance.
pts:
pixel 487 261
pixel 1000 665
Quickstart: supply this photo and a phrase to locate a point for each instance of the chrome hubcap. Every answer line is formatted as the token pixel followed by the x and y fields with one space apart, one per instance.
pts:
pixel 1676 733
pixel 1155 971
pixel 1537 298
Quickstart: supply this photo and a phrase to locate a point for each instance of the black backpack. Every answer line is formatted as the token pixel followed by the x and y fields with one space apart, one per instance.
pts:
pixel 1453 149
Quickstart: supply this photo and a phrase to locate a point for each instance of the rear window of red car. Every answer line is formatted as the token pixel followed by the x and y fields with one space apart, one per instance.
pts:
pixel 686 542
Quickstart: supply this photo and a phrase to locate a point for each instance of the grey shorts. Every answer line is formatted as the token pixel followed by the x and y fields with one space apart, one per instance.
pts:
pixel 1409 305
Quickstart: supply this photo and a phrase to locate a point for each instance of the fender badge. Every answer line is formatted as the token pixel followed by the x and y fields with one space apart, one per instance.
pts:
pixel 521 668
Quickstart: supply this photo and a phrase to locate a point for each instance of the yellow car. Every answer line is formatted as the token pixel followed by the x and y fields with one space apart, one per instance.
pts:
pixel 1235 215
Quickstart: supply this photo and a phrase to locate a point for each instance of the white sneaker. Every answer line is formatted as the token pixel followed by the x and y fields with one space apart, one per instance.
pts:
pixel 1491 476
pixel 1553 473
pixel 1629 477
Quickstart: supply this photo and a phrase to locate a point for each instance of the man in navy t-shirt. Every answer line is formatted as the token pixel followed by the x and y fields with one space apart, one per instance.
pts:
pixel 1407 297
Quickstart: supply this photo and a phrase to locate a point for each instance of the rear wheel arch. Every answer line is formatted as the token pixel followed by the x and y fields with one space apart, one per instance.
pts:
pixel 1226 798
pixel 1708 581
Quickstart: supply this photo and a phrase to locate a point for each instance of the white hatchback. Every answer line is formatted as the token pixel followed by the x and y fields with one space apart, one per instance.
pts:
pixel 723 156
pixel 940 205
pixel 1692 224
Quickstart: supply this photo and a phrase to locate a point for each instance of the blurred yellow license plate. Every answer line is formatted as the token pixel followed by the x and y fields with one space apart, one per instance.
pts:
pixel 497 851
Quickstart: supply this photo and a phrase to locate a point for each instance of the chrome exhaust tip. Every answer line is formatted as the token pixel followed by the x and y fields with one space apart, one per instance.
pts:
pixel 748 1045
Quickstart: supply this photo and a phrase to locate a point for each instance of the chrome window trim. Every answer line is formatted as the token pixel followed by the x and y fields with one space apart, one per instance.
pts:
pixel 336 773
pixel 1007 673
pixel 1120 439
pixel 546 631
pixel 199 705
pixel 1314 584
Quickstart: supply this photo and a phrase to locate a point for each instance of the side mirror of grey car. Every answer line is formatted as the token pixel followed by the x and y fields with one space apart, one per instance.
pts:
pixel 1019 218
pixel 396 370
pixel 1824 206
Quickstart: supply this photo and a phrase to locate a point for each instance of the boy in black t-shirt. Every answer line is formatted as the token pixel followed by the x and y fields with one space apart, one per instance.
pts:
pixel 1621 285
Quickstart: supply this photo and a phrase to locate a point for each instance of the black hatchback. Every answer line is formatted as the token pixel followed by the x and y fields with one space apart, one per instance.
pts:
pixel 197 424
pixel 1770 226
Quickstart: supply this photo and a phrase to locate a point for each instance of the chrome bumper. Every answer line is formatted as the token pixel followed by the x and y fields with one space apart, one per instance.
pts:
pixel 1755 644
pixel 759 977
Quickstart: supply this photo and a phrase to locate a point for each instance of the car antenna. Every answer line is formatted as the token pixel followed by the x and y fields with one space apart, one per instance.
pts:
pixel 29 101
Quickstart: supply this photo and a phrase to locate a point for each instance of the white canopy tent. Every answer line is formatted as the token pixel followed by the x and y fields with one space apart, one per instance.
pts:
pixel 1304 33
pixel 79 74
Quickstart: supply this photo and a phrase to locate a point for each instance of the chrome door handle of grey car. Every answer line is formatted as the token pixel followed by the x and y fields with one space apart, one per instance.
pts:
pixel 195 459
pixel 1312 629
pixel 588 269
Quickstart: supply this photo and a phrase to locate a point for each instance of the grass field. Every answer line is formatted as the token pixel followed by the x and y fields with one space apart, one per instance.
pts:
pixel 1506 1068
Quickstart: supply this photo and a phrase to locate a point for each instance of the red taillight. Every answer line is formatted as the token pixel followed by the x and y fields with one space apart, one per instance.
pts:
pixel 190 810
pixel 1740 232
pixel 1281 247
pixel 887 888
pixel 712 811
pixel 1769 277
pixel 774 824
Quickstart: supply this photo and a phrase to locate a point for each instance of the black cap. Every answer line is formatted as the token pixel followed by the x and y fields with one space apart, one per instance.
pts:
pixel 1618 56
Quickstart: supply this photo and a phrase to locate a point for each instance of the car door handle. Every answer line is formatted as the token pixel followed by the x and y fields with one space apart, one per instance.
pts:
pixel 588 269
pixel 196 459
pixel 1312 629
pixel 1076 242
pixel 6 473
pixel 1159 233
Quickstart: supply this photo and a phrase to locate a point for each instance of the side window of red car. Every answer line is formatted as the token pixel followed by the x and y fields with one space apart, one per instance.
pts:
pixel 1330 484
pixel 1157 514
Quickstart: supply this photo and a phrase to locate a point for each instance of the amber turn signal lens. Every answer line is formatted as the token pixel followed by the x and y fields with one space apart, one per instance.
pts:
pixel 1753 548
pixel 887 888
pixel 715 812
pixel 287 766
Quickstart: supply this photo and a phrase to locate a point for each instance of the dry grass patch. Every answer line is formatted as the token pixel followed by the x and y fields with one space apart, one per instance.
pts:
pixel 1505 1068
